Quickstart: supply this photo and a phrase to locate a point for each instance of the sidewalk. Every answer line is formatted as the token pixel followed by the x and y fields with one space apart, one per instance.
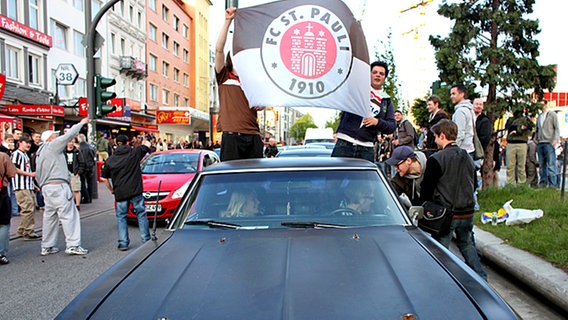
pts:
pixel 104 202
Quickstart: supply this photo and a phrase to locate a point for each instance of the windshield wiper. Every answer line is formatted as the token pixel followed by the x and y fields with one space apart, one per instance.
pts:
pixel 307 224
pixel 213 224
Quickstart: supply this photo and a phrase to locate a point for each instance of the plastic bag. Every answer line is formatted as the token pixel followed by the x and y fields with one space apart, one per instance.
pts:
pixel 520 216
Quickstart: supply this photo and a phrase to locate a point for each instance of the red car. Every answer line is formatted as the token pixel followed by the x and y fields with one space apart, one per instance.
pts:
pixel 175 169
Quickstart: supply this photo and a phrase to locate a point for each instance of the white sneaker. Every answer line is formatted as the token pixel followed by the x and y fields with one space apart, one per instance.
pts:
pixel 78 250
pixel 50 250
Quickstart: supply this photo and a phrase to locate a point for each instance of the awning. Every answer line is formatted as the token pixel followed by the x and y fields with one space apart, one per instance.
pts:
pixel 144 129
pixel 5 117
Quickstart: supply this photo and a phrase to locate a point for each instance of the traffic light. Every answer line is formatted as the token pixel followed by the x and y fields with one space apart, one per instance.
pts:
pixel 102 95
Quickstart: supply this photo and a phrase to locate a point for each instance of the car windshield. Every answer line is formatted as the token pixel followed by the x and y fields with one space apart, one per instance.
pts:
pixel 170 163
pixel 300 199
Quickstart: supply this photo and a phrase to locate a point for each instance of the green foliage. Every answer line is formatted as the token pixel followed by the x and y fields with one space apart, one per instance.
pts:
pixel 334 122
pixel 392 85
pixel 492 43
pixel 298 129
pixel 420 113
pixel 546 237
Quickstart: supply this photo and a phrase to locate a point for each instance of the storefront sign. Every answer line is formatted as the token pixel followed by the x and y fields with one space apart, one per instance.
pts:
pixel 25 31
pixel 2 85
pixel 173 117
pixel 32 110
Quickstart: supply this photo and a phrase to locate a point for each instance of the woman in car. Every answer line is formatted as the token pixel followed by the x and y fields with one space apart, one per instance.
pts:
pixel 242 204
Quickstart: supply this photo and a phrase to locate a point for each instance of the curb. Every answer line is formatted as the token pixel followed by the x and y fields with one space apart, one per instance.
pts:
pixel 539 275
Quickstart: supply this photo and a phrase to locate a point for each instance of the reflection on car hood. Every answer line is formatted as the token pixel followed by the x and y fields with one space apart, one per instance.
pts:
pixel 170 181
pixel 365 273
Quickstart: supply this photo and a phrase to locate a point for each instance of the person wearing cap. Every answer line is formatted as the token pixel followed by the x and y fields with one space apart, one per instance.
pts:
pixel 54 178
pixel 24 187
pixel 123 178
pixel 449 180
pixel 410 166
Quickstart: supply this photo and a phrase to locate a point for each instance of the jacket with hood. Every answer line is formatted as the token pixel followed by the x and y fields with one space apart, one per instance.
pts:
pixel 410 183
pixel 464 118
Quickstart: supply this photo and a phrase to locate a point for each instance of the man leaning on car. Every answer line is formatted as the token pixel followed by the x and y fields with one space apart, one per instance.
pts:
pixel 123 171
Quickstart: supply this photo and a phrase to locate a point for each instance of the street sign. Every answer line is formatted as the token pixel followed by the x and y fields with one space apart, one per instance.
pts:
pixel 66 74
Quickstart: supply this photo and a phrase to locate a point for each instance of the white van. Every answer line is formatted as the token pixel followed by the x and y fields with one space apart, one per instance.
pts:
pixel 562 114
pixel 316 135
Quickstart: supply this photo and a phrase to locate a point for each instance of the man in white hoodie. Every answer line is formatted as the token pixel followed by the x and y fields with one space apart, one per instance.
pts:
pixel 463 117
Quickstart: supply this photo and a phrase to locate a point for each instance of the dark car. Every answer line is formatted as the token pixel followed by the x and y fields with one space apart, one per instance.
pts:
pixel 324 238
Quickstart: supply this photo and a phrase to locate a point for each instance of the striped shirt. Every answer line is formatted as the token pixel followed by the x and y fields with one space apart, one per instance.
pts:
pixel 22 162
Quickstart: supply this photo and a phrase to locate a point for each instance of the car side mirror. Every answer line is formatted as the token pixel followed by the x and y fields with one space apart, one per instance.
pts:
pixel 416 213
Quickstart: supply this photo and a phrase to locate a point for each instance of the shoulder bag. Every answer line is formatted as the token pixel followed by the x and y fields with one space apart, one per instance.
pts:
pixel 437 219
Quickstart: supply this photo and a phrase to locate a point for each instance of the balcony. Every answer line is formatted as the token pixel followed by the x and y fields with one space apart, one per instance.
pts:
pixel 133 67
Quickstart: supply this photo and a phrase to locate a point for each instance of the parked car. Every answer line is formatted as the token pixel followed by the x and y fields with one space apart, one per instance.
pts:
pixel 320 238
pixel 174 169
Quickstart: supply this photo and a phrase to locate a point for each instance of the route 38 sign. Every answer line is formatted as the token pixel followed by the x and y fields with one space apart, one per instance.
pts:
pixel 66 74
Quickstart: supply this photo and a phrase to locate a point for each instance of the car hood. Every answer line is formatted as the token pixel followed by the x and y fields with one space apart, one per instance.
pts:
pixel 170 181
pixel 362 273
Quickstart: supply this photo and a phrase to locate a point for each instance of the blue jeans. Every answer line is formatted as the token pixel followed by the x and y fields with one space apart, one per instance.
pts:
pixel 547 165
pixel 12 195
pixel 140 210
pixel 464 238
pixel 349 150
pixel 4 238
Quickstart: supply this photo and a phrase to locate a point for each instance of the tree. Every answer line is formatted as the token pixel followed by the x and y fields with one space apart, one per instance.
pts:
pixel 420 113
pixel 392 85
pixel 492 43
pixel 298 129
pixel 334 122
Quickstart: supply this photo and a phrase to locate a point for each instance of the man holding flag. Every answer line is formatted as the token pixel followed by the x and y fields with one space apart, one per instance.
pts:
pixel 238 122
pixel 356 135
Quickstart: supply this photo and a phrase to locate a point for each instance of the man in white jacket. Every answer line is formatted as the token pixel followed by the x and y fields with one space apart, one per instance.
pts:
pixel 463 117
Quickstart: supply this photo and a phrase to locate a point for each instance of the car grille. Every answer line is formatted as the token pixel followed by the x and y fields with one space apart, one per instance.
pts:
pixel 153 196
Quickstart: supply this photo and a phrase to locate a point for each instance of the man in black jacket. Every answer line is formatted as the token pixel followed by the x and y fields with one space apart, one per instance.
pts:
pixel 123 171
pixel 482 123
pixel 449 180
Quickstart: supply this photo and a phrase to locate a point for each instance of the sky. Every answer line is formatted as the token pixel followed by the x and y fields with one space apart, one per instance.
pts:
pixel 414 57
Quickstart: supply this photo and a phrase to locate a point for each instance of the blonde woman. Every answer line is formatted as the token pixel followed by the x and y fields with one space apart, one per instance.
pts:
pixel 242 204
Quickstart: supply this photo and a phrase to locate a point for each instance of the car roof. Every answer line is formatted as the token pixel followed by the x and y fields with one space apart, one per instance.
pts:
pixel 307 152
pixel 288 163
pixel 182 151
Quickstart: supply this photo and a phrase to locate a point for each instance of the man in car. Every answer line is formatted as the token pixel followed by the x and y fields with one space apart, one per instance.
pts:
pixel 449 180
pixel 410 166
pixel 123 178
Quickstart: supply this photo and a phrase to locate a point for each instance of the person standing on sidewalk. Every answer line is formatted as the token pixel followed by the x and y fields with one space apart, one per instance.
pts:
pixel 24 187
pixel 53 177
pixel 547 137
pixel 7 171
pixel 123 171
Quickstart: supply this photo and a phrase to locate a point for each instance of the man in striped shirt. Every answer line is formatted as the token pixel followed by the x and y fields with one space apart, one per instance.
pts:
pixel 24 188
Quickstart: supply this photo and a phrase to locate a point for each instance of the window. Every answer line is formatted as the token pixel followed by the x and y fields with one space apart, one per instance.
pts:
pixel 152 32
pixel 12 62
pixel 176 49
pixel 78 48
pixel 153 92
pixel 165 96
pixel 12 10
pixel 152 5
pixel 175 23
pixel 112 43
pixel 185 31
pixel 59 35
pixel 80 86
pixel 186 102
pixel 35 69
pixel 78 4
pixel 131 14
pixel 122 46
pixel 152 62
pixel 176 99
pixel 139 19
pixel 176 74
pixel 185 79
pixel 95 8
pixel 34 14
pixel 165 69
pixel 185 55
pixel 165 13
pixel 165 40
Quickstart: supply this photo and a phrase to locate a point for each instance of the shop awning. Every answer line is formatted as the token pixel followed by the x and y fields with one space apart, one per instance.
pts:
pixel 144 129
pixel 5 117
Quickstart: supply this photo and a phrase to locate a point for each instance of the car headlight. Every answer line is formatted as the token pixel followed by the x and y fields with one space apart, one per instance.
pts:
pixel 179 192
